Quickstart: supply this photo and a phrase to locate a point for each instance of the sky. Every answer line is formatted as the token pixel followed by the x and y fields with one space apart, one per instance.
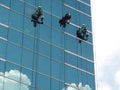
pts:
pixel 106 30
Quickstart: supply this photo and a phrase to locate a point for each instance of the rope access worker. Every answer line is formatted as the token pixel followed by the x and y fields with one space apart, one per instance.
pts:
pixel 82 33
pixel 79 34
pixel 38 14
pixel 65 20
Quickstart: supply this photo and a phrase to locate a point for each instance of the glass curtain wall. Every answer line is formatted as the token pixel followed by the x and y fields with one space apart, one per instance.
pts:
pixel 46 57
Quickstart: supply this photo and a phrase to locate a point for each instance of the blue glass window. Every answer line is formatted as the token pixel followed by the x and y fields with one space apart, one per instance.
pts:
pixel 87 51
pixel 47 19
pixel 71 59
pixel 29 10
pixel 56 8
pixel 14 53
pixel 27 58
pixel 55 72
pixel 4 14
pixel 2 66
pixel 71 75
pixel 18 6
pixel 84 8
pixel 46 5
pixel 44 49
pixel 15 36
pixel 44 65
pixel 14 18
pixel 27 73
pixel 57 38
pixel 3 48
pixel 71 2
pixel 28 27
pixel 3 32
pixel 71 43
pixel 45 33
pixel 5 2
pixel 28 42
pixel 40 84
pixel 57 53
pixel 55 85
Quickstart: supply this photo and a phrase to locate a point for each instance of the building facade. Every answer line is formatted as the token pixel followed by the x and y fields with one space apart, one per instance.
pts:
pixel 45 57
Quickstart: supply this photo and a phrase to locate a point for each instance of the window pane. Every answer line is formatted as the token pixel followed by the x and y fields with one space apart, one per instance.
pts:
pixel 55 85
pixel 57 38
pixel 17 5
pixel 55 69
pixel 71 59
pixel 14 53
pixel 44 49
pixel 1 67
pixel 4 13
pixel 26 76
pixel 45 33
pixel 71 47
pixel 14 18
pixel 57 8
pixel 28 42
pixel 3 49
pixel 28 27
pixel 27 59
pixel 40 84
pixel 5 2
pixel 71 75
pixel 56 53
pixel 15 36
pixel 44 65
pixel 3 32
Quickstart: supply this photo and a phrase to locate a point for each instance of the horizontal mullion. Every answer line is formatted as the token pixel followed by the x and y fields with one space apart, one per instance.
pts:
pixel 79 69
pixel 84 3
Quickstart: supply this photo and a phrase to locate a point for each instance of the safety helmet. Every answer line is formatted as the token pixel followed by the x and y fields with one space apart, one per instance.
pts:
pixel 83 24
pixel 39 7
pixel 84 27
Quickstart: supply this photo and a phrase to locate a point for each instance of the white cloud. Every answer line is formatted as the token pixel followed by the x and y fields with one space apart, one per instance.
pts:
pixel 73 86
pixel 11 84
pixel 104 86
pixel 106 20
pixel 117 79
pixel 110 73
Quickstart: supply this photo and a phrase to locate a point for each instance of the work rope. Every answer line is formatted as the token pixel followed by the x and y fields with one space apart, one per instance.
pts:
pixel 64 38
pixel 80 45
pixel 77 20
pixel 6 46
pixel 51 49
pixel 35 53
pixel 61 63
pixel 22 48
